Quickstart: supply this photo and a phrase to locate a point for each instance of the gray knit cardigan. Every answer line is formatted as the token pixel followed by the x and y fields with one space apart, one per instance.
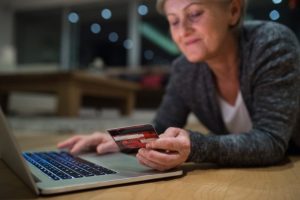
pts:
pixel 269 83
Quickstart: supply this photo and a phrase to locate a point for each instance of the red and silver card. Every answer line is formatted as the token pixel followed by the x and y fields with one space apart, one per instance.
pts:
pixel 133 137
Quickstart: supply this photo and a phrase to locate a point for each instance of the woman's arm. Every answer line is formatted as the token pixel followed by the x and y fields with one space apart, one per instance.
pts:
pixel 173 110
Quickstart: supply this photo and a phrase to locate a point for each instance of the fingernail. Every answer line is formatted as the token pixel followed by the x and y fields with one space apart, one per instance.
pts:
pixel 142 150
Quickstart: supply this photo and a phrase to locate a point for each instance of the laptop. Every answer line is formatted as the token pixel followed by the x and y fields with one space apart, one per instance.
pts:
pixel 54 171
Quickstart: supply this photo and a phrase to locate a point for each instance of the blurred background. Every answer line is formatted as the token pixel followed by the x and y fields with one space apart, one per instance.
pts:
pixel 124 39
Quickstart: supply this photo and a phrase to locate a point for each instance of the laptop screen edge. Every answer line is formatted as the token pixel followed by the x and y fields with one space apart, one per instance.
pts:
pixel 11 155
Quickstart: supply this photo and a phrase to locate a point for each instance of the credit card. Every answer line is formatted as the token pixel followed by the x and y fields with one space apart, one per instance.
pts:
pixel 133 137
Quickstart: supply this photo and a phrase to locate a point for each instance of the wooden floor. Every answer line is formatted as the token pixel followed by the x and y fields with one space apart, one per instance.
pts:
pixel 203 181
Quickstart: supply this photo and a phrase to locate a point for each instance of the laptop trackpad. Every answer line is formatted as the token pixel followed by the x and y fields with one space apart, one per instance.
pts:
pixel 118 162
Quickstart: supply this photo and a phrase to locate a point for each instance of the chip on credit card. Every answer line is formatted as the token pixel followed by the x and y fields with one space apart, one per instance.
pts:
pixel 133 137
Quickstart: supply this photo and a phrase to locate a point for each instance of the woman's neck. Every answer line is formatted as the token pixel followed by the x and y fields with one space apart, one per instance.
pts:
pixel 225 67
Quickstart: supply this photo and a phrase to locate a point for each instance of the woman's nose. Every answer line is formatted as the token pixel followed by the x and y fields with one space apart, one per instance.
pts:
pixel 185 28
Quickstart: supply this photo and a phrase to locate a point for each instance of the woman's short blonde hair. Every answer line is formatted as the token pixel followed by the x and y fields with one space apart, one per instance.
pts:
pixel 160 7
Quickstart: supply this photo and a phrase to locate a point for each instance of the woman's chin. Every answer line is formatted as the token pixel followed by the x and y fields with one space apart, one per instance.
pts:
pixel 194 59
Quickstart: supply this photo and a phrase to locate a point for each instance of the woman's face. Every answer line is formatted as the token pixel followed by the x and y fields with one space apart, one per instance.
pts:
pixel 199 28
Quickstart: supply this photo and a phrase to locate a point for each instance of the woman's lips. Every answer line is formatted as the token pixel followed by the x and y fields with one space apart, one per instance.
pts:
pixel 192 41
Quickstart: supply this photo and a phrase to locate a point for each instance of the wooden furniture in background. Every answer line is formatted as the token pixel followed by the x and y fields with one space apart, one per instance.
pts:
pixel 200 182
pixel 70 87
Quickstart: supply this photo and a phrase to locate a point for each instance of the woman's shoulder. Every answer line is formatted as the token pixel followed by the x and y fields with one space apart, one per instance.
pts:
pixel 269 46
pixel 261 26
pixel 262 32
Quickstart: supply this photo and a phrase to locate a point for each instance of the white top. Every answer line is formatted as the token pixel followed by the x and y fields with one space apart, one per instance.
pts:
pixel 236 118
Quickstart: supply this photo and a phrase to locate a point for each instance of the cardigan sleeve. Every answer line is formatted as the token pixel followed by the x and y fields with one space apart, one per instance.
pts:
pixel 173 110
pixel 275 105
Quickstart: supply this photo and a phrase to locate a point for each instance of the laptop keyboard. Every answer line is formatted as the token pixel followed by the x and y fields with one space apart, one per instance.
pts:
pixel 62 165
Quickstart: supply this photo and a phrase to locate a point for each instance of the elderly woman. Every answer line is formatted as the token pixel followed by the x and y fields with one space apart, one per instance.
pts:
pixel 239 79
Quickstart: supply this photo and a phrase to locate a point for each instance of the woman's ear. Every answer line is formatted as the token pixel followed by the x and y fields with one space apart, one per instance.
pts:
pixel 235 12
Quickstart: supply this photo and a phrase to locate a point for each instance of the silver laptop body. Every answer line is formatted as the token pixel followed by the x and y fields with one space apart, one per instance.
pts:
pixel 127 168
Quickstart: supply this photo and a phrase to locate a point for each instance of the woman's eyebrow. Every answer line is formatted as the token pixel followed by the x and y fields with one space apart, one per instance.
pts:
pixel 186 7
pixel 193 3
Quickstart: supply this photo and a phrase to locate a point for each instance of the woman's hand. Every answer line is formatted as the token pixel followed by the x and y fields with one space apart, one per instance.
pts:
pixel 169 151
pixel 100 142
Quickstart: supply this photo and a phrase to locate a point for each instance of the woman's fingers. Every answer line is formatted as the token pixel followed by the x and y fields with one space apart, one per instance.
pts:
pixel 158 160
pixel 69 142
pixel 101 142
pixel 93 141
pixel 175 144
pixel 170 132
pixel 162 144
pixel 81 143
pixel 143 159
pixel 80 146
pixel 146 162
pixel 158 157
pixel 107 147
pixel 174 139
pixel 169 144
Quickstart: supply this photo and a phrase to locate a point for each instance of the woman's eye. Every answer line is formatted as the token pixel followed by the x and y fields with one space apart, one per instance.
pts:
pixel 174 22
pixel 195 15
